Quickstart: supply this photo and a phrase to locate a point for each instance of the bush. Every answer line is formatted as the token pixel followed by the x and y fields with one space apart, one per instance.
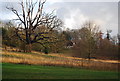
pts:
pixel 46 50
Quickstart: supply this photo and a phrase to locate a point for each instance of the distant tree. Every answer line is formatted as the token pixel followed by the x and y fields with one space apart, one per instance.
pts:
pixel 108 34
pixel 119 39
pixel 114 40
pixel 29 24
pixel 88 39
pixel 107 50
pixel 8 37
pixel 68 37
pixel 58 46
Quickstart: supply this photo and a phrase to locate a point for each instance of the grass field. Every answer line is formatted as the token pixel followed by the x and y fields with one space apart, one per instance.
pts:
pixel 19 71
pixel 36 65
pixel 38 58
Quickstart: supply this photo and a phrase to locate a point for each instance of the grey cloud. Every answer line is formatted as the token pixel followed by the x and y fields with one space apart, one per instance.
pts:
pixel 7 14
pixel 104 14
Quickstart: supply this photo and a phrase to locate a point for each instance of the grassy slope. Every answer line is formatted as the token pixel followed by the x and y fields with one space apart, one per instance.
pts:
pixel 37 58
pixel 17 71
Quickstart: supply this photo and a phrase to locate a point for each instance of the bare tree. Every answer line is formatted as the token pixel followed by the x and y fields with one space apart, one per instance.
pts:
pixel 88 39
pixel 29 24
pixel 91 37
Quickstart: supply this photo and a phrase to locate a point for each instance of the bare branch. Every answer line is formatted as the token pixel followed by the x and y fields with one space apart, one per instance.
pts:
pixel 39 13
pixel 19 36
pixel 15 12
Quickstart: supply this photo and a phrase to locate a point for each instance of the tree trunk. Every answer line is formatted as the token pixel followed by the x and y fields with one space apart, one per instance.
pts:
pixel 89 56
pixel 28 48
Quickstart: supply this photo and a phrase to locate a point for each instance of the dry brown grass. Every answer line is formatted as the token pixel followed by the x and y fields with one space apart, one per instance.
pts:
pixel 37 58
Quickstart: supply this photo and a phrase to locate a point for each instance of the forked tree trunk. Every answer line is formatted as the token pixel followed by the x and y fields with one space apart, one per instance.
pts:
pixel 28 48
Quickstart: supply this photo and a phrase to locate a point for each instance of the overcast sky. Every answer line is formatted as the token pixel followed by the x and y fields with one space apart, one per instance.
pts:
pixel 75 13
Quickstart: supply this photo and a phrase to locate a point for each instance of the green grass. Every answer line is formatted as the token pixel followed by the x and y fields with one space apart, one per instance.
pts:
pixel 17 71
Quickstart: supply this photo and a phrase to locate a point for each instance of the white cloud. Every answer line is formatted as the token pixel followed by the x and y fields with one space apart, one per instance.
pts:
pixel 104 14
pixel 75 19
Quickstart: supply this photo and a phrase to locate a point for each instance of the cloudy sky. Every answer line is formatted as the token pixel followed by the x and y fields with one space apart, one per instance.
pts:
pixel 75 13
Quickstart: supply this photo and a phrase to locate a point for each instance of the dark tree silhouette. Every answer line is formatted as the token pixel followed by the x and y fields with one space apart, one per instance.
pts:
pixel 108 34
pixel 29 24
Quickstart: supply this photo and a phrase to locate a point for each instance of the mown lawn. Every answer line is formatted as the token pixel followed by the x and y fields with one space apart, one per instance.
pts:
pixel 19 71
